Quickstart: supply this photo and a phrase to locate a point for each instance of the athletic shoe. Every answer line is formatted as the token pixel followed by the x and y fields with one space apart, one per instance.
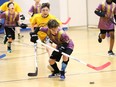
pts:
pixel 62 77
pixel 9 50
pixel 99 39
pixel 20 36
pixel 111 52
pixel 54 74
pixel 5 39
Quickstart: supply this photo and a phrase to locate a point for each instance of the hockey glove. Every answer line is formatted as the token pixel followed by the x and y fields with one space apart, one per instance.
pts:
pixel 62 47
pixel 34 37
pixel 100 13
pixel 23 25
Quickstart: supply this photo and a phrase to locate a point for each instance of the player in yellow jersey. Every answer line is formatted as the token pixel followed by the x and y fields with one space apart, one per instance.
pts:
pixel 41 20
pixel 16 6
pixel 17 9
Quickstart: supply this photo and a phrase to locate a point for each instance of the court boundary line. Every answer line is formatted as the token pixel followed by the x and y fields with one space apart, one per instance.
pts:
pixel 42 77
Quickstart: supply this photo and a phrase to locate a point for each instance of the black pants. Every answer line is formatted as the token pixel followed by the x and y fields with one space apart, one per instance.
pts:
pixel 10 32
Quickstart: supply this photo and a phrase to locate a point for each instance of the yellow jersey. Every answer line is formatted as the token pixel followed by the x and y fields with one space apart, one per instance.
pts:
pixel 42 22
pixel 39 21
pixel 5 8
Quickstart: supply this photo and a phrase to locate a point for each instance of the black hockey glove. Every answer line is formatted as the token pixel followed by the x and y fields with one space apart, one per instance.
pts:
pixel 62 47
pixel 22 17
pixel 34 37
pixel 100 13
pixel 23 25
pixel 36 29
pixel 114 1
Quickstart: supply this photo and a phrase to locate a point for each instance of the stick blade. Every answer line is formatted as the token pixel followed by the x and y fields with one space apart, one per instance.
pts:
pixel 67 21
pixel 34 74
pixel 2 56
pixel 100 67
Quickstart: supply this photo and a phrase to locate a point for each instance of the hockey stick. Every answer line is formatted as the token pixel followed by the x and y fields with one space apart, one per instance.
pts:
pixel 64 23
pixel 113 21
pixel 36 65
pixel 2 56
pixel 88 65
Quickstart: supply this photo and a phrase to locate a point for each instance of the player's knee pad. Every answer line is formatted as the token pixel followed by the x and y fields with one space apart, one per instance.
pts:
pixel 56 55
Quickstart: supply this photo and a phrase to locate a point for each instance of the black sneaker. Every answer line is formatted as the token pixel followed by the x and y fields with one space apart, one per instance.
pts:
pixel 111 52
pixel 62 76
pixel 99 39
pixel 54 74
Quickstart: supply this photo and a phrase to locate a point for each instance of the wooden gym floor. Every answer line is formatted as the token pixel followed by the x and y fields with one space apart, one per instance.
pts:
pixel 16 65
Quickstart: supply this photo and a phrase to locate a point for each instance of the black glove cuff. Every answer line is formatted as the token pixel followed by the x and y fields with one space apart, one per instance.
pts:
pixel 100 13
pixel 23 25
pixel 36 29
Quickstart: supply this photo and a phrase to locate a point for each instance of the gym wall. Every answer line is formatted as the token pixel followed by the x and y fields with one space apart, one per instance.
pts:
pixel 80 11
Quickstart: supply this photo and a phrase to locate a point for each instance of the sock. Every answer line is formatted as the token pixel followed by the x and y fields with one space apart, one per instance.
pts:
pixel 5 39
pixel 54 66
pixel 64 65
pixel 9 45
pixel 18 34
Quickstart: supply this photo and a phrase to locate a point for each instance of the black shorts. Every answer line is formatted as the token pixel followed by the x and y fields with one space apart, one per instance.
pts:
pixel 104 31
pixel 57 55
pixel 10 32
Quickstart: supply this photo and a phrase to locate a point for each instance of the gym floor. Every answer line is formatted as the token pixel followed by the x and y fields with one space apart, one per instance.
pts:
pixel 16 65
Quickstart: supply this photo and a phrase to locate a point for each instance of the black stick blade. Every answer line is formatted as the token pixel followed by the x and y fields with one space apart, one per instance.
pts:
pixel 34 74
